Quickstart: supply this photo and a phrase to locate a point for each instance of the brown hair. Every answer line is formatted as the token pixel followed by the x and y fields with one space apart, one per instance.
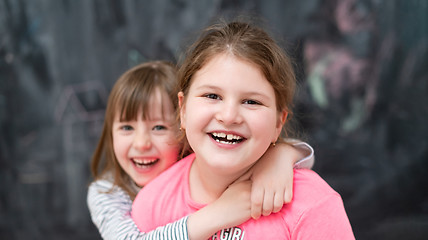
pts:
pixel 247 42
pixel 131 93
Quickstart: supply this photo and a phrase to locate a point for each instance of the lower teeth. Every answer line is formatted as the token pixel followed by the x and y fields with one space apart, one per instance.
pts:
pixel 219 141
pixel 142 166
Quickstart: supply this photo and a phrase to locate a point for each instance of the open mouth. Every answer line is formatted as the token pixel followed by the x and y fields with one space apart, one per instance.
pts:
pixel 145 163
pixel 226 138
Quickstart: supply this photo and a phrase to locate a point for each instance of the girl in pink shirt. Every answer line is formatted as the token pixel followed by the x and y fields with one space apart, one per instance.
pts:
pixel 236 91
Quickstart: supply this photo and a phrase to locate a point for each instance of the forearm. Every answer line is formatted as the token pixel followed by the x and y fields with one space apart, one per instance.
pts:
pixel 110 213
pixel 231 209
pixel 201 226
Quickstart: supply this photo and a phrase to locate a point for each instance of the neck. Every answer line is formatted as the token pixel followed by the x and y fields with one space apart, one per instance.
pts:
pixel 206 184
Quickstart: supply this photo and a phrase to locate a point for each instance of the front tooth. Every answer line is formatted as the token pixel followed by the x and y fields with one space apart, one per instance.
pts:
pixel 229 136
pixel 149 161
pixel 138 161
pixel 222 135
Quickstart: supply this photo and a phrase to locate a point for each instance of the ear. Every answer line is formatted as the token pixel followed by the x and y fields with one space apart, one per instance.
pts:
pixel 282 117
pixel 182 107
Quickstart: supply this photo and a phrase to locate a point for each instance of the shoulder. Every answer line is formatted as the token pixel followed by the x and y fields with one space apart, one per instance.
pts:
pixel 174 174
pixel 103 193
pixel 166 183
pixel 315 203
pixel 310 191
pixel 101 184
pixel 310 188
pixel 158 200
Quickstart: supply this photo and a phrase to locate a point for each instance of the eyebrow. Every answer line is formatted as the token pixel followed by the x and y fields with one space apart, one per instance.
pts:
pixel 212 87
pixel 207 86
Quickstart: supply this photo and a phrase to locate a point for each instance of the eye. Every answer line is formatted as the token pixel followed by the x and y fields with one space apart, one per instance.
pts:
pixel 251 102
pixel 159 128
pixel 127 128
pixel 212 96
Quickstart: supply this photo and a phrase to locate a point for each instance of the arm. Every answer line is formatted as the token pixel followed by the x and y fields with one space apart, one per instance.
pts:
pixel 272 176
pixel 110 212
pixel 231 209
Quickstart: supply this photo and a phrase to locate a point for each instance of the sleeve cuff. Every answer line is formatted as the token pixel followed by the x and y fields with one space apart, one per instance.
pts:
pixel 308 161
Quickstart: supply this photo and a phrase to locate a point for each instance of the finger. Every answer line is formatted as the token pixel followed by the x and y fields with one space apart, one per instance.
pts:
pixel 268 200
pixel 278 201
pixel 256 202
pixel 288 193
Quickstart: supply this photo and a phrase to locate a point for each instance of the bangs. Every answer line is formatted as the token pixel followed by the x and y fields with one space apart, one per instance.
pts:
pixel 137 97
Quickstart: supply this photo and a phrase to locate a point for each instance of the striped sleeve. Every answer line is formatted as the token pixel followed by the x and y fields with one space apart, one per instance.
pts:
pixel 111 214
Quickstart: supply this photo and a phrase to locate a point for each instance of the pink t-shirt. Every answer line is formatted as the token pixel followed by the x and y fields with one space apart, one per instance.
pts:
pixel 316 211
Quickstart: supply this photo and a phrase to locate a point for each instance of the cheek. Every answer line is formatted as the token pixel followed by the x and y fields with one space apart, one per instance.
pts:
pixel 120 152
pixel 264 123
pixel 116 145
pixel 169 148
pixel 198 114
pixel 170 156
pixel 120 146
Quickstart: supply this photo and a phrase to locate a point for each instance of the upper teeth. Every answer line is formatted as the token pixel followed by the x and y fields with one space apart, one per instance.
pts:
pixel 139 161
pixel 227 136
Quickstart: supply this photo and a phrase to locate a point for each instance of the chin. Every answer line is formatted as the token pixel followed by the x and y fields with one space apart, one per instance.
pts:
pixel 141 182
pixel 227 168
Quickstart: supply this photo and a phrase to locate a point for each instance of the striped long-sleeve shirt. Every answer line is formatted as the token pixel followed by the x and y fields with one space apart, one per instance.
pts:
pixel 111 213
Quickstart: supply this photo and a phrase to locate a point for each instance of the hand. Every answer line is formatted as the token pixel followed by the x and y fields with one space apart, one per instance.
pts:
pixel 232 208
pixel 234 205
pixel 272 178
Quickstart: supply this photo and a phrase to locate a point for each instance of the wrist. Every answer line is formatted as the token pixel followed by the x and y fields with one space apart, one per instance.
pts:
pixel 203 223
pixel 286 149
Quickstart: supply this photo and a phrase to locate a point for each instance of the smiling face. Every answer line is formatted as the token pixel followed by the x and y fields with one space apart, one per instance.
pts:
pixel 146 147
pixel 230 115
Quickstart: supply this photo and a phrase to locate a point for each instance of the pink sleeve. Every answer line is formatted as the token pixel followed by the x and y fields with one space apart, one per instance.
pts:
pixel 139 213
pixel 325 220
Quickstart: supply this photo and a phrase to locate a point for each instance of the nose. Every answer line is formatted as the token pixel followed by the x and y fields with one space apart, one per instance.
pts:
pixel 229 113
pixel 142 140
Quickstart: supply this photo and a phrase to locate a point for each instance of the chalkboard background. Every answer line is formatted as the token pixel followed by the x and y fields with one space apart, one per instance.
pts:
pixel 362 69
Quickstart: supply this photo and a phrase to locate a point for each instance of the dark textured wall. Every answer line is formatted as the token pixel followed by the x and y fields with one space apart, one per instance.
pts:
pixel 363 74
